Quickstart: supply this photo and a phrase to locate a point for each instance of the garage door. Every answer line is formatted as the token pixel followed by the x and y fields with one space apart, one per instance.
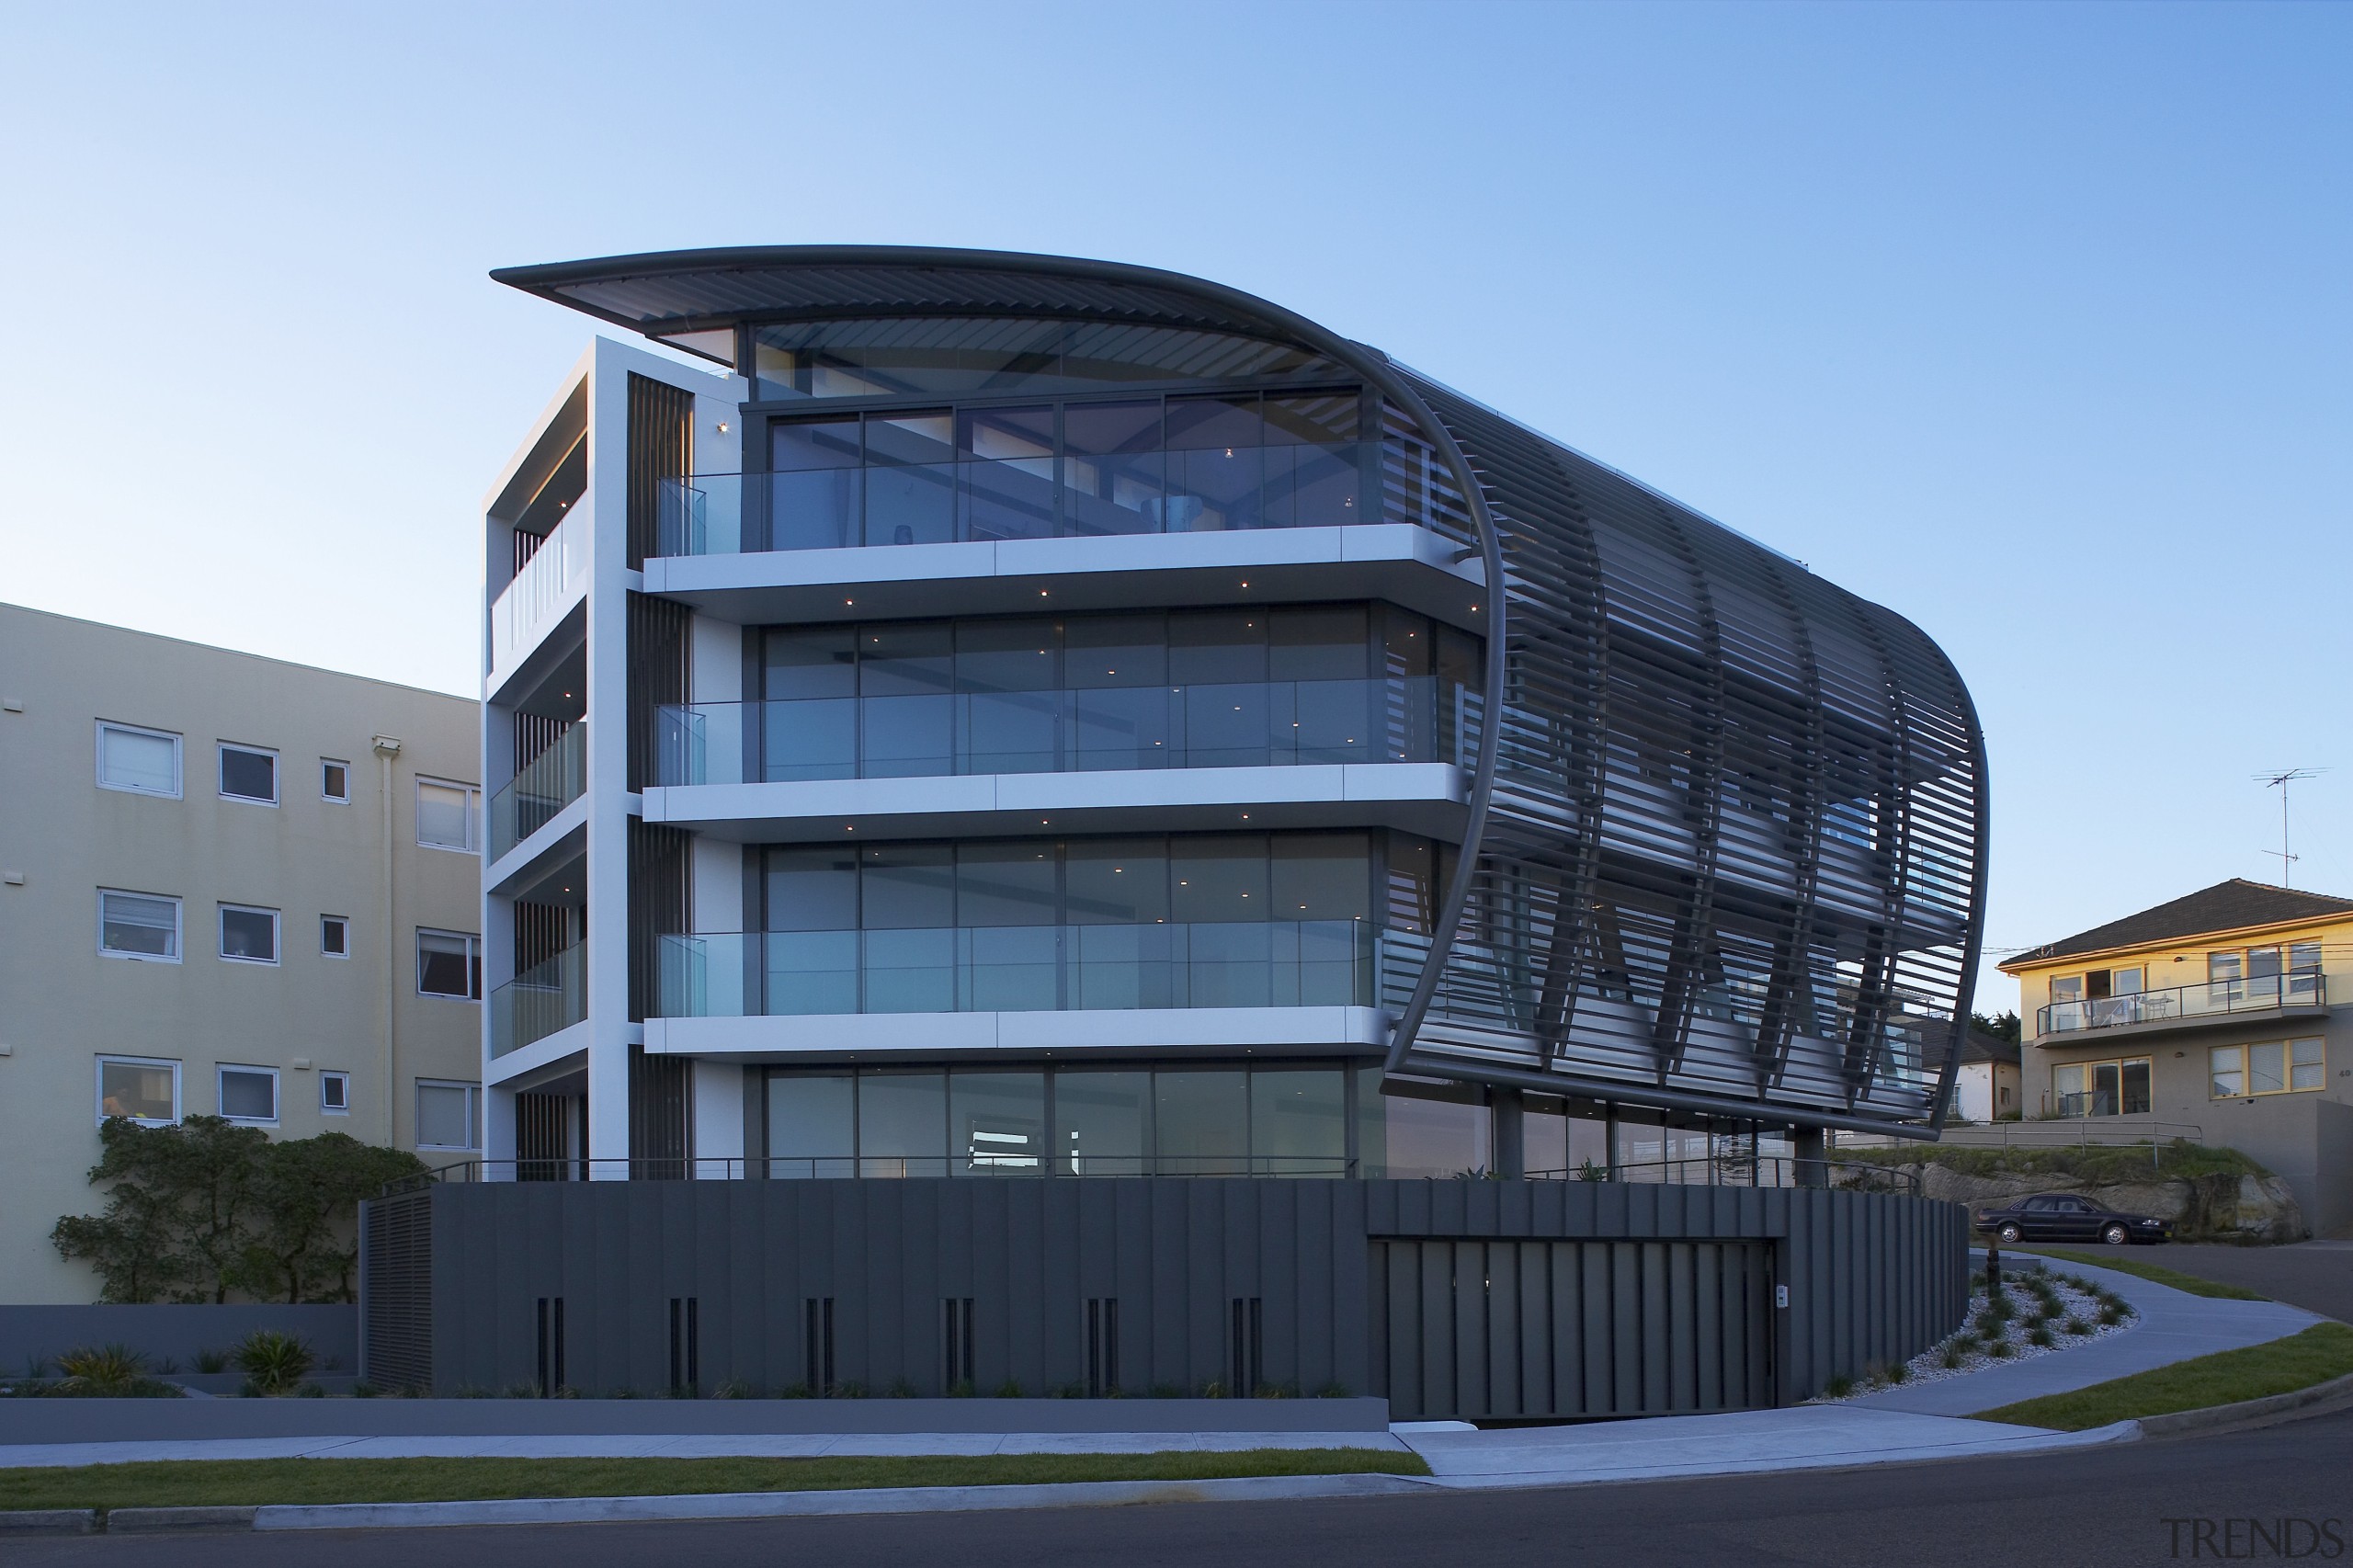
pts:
pixel 1501 1329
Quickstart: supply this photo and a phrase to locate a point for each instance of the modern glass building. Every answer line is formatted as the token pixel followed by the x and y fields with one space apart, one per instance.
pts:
pixel 1011 716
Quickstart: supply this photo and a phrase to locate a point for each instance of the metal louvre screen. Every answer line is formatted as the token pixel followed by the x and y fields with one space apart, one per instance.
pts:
pixel 396 1235
pixel 1498 1329
pixel 661 445
pixel 1732 859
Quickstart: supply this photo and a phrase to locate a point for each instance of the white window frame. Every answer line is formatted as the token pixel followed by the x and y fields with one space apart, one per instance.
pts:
pixel 473 814
pixel 179 760
pixel 335 1076
pixel 221 932
pixel 179 932
pixel 221 751
pixel 473 1113
pixel 325 763
pixel 277 1094
pixel 473 963
pixel 328 920
pixel 98 1092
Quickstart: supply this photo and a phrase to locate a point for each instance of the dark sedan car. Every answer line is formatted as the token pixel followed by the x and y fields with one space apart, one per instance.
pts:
pixel 2063 1217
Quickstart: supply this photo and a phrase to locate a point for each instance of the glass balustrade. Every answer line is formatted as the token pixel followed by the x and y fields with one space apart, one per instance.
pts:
pixel 548 996
pixel 1273 964
pixel 1101 729
pixel 2305 988
pixel 1074 494
pixel 552 781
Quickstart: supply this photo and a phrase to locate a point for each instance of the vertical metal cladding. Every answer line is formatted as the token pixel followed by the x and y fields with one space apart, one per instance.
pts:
pixel 1730 858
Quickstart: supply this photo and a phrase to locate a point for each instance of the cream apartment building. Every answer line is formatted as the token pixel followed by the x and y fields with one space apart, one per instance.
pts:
pixel 232 886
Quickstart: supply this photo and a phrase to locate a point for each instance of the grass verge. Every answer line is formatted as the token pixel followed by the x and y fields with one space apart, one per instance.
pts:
pixel 2157 1273
pixel 2321 1352
pixel 191 1482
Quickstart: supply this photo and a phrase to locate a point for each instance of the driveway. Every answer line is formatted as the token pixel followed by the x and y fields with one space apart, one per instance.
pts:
pixel 2315 1276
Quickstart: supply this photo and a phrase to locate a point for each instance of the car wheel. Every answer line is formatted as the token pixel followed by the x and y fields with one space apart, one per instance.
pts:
pixel 2011 1235
pixel 2116 1235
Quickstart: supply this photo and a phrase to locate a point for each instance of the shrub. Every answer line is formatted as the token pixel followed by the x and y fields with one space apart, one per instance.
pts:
pixel 848 1389
pixel 1838 1386
pixel 734 1389
pixel 519 1391
pixel 1213 1389
pixel 793 1390
pixel 1999 1350
pixel 2111 1314
pixel 1168 1391
pixel 274 1362
pixel 214 1361
pixel 2076 1325
pixel 103 1366
pixel 1951 1360
pixel 1333 1391
pixel 902 1389
pixel 1009 1388
pixel 960 1388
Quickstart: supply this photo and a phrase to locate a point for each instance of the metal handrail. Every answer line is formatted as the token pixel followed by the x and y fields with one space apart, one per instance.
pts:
pixel 1745 1170
pixel 2296 988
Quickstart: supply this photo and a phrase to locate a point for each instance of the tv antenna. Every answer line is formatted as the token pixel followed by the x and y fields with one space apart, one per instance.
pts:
pixel 2280 781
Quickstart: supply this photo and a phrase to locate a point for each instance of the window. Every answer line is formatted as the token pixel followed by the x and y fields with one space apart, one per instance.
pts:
pixel 2271 1067
pixel 334 936
pixel 143 1088
pixel 139 926
pixel 248 773
pixel 144 762
pixel 2102 1088
pixel 335 781
pixel 448 963
pixel 2067 988
pixel 446 1114
pixel 248 934
pixel 445 815
pixel 334 1093
pixel 249 1094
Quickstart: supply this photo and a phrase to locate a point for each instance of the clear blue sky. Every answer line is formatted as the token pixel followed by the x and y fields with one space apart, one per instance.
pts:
pixel 2032 323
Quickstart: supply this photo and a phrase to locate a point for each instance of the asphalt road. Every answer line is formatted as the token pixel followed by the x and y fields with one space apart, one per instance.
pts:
pixel 2085 1508
pixel 2315 1276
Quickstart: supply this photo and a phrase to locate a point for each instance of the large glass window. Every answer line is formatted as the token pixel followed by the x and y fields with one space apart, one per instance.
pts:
pixel 1102 1122
pixel 146 1089
pixel 901 1123
pixel 2101 1088
pixel 996 1123
pixel 811 1124
pixel 2269 1067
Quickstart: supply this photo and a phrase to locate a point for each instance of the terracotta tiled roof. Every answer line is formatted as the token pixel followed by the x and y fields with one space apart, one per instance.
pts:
pixel 2226 906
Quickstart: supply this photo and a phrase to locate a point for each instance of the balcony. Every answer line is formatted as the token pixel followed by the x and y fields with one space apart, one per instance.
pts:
pixel 1043 496
pixel 548 996
pixel 2216 1001
pixel 1274 964
pixel 540 592
pixel 552 781
pixel 1120 729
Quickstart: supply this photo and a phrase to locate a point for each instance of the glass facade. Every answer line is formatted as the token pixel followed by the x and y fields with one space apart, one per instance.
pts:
pixel 1182 920
pixel 1289 1118
pixel 1305 684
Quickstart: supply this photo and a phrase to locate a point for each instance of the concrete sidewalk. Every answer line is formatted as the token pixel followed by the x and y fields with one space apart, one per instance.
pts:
pixel 2174 1325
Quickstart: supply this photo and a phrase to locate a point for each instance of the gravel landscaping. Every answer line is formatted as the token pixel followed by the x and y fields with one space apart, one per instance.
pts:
pixel 2043 1311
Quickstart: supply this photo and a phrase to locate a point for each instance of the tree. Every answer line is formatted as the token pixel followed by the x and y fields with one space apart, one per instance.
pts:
pixel 135 1245
pixel 205 1207
pixel 304 1247
pixel 2000 1026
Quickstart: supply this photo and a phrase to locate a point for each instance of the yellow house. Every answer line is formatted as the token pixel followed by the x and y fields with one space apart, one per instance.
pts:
pixel 2219 1018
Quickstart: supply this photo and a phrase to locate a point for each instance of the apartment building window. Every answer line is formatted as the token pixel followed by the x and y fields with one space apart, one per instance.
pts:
pixel 139 926
pixel 248 773
pixel 2102 1088
pixel 2273 1067
pixel 448 963
pixel 141 762
pixel 446 1114
pixel 249 1094
pixel 335 781
pixel 248 934
pixel 334 1093
pixel 448 815
pixel 144 1088
pixel 334 936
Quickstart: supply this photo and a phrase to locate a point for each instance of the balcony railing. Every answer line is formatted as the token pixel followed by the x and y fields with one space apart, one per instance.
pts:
pixel 1101 729
pixel 2305 988
pixel 546 997
pixel 1071 496
pixel 1272 963
pixel 552 781
pixel 522 608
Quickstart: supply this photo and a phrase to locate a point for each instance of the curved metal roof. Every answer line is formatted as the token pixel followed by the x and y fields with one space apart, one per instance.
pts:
pixel 665 292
